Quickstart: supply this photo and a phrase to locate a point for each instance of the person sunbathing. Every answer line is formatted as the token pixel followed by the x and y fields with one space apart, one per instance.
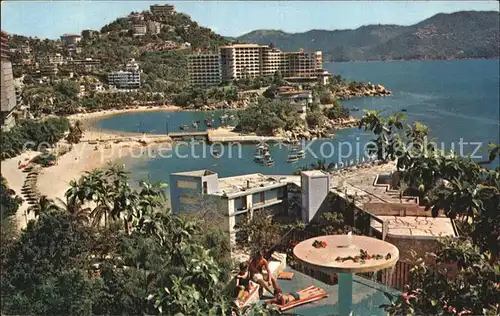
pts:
pixel 283 299
pixel 243 285
pixel 257 265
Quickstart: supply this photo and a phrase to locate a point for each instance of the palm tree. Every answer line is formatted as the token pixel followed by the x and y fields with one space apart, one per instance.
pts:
pixel 44 205
pixel 92 187
pixel 79 215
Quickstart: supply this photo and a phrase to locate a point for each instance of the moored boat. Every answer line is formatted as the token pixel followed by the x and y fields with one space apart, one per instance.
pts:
pixel 293 158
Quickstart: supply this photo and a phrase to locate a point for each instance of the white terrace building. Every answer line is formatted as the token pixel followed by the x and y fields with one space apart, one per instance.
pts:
pixel 397 219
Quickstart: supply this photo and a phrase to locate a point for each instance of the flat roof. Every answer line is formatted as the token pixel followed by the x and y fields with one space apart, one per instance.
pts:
pixel 315 173
pixel 418 227
pixel 360 180
pixel 243 46
pixel 194 173
pixel 249 183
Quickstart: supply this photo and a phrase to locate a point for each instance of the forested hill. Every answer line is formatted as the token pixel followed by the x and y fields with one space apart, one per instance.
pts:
pixel 465 34
pixel 162 56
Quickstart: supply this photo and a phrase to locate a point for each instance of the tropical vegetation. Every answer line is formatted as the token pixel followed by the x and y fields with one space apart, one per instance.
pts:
pixel 462 189
pixel 31 134
pixel 455 280
pixel 159 263
pixel 267 116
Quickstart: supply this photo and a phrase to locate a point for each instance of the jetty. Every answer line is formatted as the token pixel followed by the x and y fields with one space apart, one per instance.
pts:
pixel 224 136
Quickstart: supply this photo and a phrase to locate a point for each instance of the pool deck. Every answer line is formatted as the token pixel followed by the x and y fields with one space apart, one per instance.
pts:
pixel 367 296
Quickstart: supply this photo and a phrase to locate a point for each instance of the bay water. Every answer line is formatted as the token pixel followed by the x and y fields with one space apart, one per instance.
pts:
pixel 457 99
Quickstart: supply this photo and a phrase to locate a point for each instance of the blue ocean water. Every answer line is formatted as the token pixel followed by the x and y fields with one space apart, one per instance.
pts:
pixel 457 99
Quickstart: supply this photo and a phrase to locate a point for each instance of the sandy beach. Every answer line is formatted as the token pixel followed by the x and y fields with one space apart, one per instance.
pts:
pixel 101 114
pixel 96 150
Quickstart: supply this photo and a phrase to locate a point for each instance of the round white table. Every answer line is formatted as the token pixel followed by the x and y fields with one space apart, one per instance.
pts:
pixel 323 259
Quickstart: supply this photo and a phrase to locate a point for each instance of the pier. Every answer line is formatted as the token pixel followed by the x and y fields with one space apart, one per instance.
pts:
pixel 216 136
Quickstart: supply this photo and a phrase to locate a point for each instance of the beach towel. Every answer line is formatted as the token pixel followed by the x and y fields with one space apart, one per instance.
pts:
pixel 285 275
pixel 310 293
pixel 250 295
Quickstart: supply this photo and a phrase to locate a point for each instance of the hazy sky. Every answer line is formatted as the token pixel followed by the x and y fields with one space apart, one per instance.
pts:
pixel 53 18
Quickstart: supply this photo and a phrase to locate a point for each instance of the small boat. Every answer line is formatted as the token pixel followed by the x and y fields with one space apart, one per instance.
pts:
pixel 258 158
pixel 184 126
pixel 194 124
pixel 293 158
pixel 301 153
pixel 404 110
pixel 231 117
pixel 269 162
pixel 355 109
pixel 260 155
pixel 216 153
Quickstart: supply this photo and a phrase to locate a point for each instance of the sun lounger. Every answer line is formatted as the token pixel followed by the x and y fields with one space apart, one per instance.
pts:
pixel 310 293
pixel 252 297
pixel 285 275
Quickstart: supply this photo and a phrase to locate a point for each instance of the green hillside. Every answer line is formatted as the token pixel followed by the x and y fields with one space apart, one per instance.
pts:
pixel 457 35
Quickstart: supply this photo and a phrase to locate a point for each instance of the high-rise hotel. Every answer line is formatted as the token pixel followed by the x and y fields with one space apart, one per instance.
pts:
pixel 240 61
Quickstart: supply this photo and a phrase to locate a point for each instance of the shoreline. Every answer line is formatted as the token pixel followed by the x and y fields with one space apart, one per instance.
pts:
pixel 96 149
pixel 89 119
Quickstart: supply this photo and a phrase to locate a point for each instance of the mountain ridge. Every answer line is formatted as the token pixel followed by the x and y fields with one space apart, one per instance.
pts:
pixel 463 34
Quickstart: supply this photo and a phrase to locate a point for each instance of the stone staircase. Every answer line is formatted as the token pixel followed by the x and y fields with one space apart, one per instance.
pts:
pixel 29 190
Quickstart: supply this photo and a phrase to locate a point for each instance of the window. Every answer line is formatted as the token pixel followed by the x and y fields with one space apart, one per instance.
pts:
pixel 240 203
pixel 205 189
pixel 186 184
pixel 262 197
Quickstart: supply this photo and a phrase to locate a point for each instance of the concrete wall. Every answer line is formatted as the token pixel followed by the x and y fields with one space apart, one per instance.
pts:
pixel 179 187
pixel 8 94
pixel 315 190
pixel 176 192
pixel 396 209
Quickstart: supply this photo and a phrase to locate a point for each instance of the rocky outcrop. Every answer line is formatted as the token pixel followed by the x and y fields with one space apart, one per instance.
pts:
pixel 363 90
pixel 327 130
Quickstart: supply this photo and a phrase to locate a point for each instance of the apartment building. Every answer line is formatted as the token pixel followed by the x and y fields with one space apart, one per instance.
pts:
pixel 8 93
pixel 301 64
pixel 49 70
pixel 89 35
pixel 233 198
pixel 139 29
pixel 128 79
pixel 132 66
pixel 153 27
pixel 57 59
pixel 84 65
pixel 125 79
pixel 204 70
pixel 239 61
pixel 68 40
pixel 165 9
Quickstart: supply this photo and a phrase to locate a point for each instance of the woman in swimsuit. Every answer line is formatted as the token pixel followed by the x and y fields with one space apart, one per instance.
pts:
pixel 283 299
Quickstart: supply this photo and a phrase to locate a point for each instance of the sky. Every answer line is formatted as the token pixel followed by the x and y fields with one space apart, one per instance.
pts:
pixel 50 19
